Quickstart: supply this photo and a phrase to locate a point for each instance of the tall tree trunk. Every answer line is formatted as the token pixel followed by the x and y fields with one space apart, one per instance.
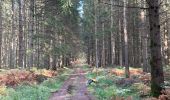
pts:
pixel 54 57
pixel 25 39
pixel 88 51
pixel 1 33
pixel 125 40
pixel 103 45
pixel 31 32
pixel 37 31
pixel 120 36
pixel 168 31
pixel 157 77
pixel 12 48
pixel 144 39
pixel 112 35
pixel 20 36
pixel 96 39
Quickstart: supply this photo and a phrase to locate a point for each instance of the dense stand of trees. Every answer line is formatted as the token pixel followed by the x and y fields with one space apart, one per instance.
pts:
pixel 128 33
pixel 122 27
pixel 38 33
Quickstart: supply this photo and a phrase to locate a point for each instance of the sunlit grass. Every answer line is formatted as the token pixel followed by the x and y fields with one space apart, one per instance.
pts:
pixel 106 89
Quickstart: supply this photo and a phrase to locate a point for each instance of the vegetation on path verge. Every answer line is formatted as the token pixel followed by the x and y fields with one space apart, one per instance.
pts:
pixel 42 91
pixel 112 85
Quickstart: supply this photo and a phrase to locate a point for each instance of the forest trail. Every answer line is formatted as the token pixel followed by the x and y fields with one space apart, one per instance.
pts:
pixel 74 88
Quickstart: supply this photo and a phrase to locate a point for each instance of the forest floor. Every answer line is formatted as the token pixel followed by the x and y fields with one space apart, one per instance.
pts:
pixel 33 84
pixel 111 84
pixel 74 88
pixel 71 84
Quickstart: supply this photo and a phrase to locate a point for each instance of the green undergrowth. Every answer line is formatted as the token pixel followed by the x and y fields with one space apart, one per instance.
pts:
pixel 36 92
pixel 85 67
pixel 106 88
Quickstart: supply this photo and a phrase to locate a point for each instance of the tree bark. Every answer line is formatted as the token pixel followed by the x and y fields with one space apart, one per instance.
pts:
pixel 12 46
pixel 31 32
pixel 1 30
pixel 157 77
pixel 112 35
pixel 20 36
pixel 125 40
pixel 120 41
pixel 96 38
pixel 144 38
pixel 103 45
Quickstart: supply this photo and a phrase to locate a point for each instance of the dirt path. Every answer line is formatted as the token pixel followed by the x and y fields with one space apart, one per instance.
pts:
pixel 74 88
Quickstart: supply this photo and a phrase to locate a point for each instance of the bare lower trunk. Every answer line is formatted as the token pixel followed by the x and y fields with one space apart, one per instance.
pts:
pixel 125 41
pixel 120 39
pixel 103 48
pixel 112 36
pixel 144 39
pixel 96 40
pixel 157 77
pixel 21 43
pixel 31 33
pixel 12 53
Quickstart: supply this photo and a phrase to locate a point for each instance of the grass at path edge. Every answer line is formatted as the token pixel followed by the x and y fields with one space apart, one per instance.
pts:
pixel 37 92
